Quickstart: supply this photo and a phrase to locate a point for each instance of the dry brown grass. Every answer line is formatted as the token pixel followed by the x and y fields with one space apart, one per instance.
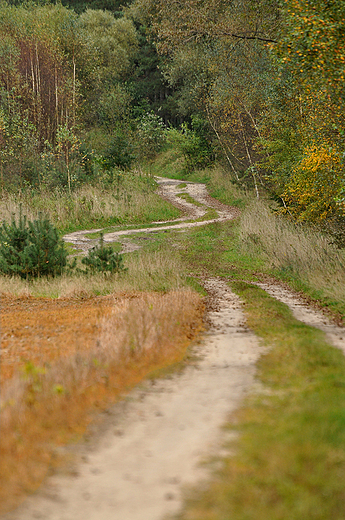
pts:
pixel 50 404
pixel 147 271
pixel 293 249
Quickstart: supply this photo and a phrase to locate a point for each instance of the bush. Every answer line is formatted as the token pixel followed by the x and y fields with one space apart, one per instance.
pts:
pixel 195 144
pixel 103 259
pixel 31 249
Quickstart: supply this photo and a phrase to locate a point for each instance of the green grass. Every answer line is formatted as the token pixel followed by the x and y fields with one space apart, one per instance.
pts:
pixel 190 199
pixel 290 456
pixel 215 249
pixel 133 201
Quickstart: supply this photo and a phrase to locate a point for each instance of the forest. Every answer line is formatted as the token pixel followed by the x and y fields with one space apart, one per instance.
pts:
pixel 88 89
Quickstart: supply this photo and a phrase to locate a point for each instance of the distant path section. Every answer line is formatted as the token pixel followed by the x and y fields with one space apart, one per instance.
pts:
pixel 169 189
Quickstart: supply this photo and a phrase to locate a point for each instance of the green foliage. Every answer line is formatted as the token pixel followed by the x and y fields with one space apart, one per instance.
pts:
pixel 196 144
pixel 151 135
pixel 31 249
pixel 103 259
pixel 302 127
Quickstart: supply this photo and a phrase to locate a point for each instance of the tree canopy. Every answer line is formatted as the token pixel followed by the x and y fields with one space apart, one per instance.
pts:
pixel 259 84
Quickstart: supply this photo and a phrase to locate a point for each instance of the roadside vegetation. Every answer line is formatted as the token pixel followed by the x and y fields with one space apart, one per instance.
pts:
pixel 288 458
pixel 49 400
pixel 95 99
pixel 130 198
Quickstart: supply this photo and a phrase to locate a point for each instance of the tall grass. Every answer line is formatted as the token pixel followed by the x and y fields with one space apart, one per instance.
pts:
pixel 159 270
pixel 132 199
pixel 293 251
pixel 51 404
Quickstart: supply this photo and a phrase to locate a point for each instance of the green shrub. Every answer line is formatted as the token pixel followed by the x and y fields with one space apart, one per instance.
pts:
pixel 103 259
pixel 31 249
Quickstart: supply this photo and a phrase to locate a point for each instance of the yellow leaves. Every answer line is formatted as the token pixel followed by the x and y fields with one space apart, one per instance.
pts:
pixel 315 184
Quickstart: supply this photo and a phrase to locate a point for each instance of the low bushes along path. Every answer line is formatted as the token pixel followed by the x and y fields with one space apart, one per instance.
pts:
pixel 155 440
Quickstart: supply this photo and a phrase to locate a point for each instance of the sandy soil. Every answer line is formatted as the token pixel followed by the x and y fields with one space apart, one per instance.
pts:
pixel 41 330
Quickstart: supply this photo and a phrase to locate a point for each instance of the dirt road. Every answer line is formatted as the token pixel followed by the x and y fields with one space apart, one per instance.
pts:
pixel 169 189
pixel 155 440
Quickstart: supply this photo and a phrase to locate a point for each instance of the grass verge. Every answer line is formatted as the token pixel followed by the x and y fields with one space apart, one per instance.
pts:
pixel 289 461
pixel 155 268
pixel 296 254
pixel 132 201
pixel 52 403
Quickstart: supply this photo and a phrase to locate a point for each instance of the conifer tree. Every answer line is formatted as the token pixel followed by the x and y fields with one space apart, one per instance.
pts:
pixel 31 249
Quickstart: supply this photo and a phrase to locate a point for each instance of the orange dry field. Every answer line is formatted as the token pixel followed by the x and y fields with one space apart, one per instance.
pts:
pixel 41 330
pixel 63 360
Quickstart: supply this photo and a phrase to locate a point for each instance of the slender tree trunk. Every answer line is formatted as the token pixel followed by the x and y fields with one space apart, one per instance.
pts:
pixel 2 177
pixel 252 167
pixel 74 83
pixel 222 144
pixel 68 171
pixel 56 99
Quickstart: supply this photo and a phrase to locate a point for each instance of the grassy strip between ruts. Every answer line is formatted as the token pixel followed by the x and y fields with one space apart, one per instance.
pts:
pixel 52 403
pixel 289 460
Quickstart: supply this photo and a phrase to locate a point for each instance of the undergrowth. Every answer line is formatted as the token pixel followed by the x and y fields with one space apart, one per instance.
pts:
pixel 154 269
pixel 130 199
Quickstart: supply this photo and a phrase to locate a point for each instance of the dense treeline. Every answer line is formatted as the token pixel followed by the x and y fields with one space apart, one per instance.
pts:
pixel 268 76
pixel 90 86
pixel 74 99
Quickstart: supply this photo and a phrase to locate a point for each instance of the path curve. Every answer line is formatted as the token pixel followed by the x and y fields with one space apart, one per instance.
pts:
pixel 169 190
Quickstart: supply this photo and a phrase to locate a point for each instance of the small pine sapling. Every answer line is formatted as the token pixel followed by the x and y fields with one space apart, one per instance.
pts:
pixel 103 259
pixel 14 239
pixel 46 251
pixel 31 249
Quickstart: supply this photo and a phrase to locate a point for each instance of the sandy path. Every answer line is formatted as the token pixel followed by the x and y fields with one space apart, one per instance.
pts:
pixel 305 313
pixel 153 442
pixel 168 188
pixel 156 438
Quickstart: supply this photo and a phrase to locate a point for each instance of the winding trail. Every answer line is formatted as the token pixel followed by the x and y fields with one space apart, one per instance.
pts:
pixel 156 438
pixel 153 442
pixel 169 190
